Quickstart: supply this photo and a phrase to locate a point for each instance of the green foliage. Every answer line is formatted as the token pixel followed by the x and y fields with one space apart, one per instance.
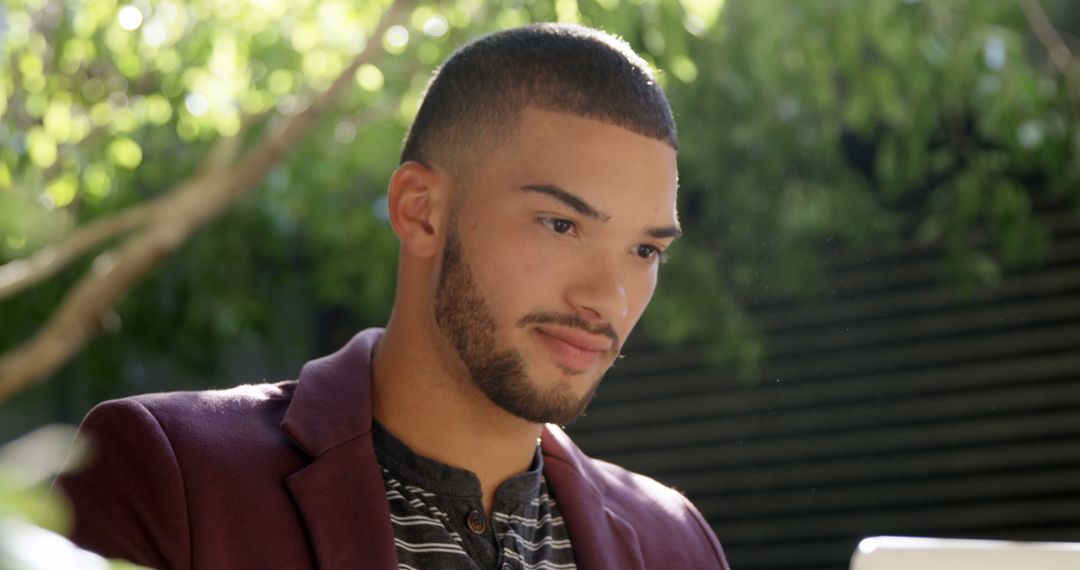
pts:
pixel 27 466
pixel 32 518
pixel 804 126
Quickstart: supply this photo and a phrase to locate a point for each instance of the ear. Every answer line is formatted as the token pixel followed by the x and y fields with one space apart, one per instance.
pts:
pixel 415 199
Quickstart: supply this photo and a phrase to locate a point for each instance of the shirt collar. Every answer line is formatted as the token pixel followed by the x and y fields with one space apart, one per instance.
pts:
pixel 442 479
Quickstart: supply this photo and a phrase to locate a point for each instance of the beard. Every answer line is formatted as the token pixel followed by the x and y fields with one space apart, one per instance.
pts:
pixel 467 322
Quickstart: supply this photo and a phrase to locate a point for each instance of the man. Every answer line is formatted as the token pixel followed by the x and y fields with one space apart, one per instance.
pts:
pixel 534 200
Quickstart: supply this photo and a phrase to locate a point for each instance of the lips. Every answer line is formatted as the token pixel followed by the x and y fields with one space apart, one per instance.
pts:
pixel 573 349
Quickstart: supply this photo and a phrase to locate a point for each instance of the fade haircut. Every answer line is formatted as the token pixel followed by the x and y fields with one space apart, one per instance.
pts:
pixel 473 102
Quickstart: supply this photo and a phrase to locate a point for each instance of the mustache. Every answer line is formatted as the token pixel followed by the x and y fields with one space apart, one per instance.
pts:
pixel 570 320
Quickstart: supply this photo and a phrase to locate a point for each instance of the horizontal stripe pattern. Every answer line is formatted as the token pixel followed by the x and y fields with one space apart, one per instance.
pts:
pixel 530 536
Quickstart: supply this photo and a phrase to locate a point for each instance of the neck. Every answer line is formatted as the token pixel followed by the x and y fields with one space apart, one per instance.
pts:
pixel 423 395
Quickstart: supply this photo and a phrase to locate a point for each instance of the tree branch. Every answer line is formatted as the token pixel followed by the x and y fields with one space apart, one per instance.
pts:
pixel 1055 46
pixel 1047 34
pixel 18 275
pixel 174 217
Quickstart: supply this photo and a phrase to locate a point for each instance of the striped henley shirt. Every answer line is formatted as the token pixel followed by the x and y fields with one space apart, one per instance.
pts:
pixel 439 522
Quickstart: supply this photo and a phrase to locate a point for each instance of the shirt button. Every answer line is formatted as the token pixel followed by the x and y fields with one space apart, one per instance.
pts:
pixel 476 522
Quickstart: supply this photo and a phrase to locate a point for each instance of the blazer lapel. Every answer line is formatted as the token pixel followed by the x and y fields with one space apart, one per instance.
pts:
pixel 341 494
pixel 601 539
pixel 343 500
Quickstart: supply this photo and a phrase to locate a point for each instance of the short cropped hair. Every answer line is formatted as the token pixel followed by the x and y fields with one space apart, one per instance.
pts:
pixel 474 100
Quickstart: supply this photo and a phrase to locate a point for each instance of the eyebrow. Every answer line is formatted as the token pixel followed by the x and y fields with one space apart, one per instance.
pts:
pixel 673 232
pixel 582 207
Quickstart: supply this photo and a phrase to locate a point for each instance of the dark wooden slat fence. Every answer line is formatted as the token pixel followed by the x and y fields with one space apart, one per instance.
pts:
pixel 894 404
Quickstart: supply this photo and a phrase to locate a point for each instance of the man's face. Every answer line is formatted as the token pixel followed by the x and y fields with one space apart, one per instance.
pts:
pixel 551 257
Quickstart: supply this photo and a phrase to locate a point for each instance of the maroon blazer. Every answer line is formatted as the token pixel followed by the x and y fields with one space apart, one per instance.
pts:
pixel 285 476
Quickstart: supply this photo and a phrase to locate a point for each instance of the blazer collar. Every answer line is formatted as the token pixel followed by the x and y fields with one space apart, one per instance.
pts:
pixel 601 538
pixel 341 494
pixel 332 402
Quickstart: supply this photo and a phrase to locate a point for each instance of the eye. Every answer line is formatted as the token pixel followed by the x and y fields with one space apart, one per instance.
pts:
pixel 651 252
pixel 558 225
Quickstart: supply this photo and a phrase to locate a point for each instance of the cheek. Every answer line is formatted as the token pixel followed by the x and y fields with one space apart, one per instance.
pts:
pixel 531 270
pixel 639 293
pixel 511 268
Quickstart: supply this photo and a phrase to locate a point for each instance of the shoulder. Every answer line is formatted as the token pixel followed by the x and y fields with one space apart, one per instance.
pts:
pixel 666 524
pixel 164 468
pixel 630 490
pixel 239 419
pixel 239 398
pixel 242 404
pixel 625 492
pixel 644 500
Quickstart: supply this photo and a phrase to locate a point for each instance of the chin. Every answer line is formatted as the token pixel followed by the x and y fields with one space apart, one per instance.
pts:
pixel 579 386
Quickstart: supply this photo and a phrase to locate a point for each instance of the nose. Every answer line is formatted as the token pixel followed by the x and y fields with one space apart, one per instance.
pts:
pixel 599 292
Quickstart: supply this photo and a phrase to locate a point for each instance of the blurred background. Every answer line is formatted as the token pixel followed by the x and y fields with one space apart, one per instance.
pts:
pixel 872 326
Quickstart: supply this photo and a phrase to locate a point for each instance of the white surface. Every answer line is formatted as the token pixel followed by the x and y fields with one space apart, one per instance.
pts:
pixel 904 553
pixel 27 547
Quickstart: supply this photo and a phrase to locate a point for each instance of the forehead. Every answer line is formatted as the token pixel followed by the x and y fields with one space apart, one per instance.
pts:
pixel 610 166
